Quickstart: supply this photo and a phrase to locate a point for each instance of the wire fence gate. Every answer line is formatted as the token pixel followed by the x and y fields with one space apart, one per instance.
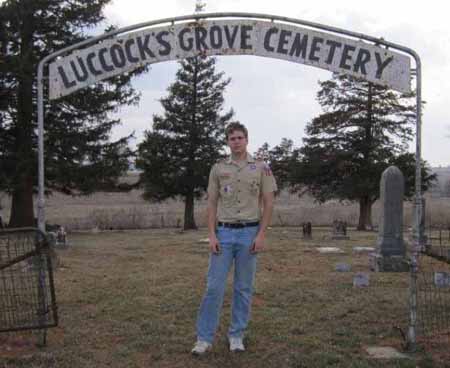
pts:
pixel 27 292
pixel 433 292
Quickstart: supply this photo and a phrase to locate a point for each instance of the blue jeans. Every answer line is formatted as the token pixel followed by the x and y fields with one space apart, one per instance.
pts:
pixel 235 245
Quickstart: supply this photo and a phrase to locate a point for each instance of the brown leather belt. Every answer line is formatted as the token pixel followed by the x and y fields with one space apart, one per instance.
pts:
pixel 237 225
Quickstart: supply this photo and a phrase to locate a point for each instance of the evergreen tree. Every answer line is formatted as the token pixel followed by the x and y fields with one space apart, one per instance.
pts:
pixel 365 128
pixel 283 160
pixel 79 156
pixel 177 154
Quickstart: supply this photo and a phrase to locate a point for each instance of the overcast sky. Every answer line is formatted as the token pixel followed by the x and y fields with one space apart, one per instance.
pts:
pixel 275 98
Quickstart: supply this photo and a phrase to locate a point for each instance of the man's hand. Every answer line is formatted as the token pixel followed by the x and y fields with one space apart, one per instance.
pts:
pixel 214 244
pixel 258 244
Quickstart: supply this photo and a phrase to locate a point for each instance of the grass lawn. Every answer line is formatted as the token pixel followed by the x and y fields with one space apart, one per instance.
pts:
pixel 130 299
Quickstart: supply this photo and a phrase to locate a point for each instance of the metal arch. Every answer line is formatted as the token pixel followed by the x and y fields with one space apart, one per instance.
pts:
pixel 199 16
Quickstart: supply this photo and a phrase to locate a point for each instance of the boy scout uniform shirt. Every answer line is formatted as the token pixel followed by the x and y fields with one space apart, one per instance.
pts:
pixel 239 187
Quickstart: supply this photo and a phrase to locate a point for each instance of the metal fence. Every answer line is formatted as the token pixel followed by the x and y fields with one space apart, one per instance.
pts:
pixel 27 293
pixel 433 292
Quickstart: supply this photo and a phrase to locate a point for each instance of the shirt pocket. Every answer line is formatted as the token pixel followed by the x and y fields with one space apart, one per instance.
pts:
pixel 253 183
pixel 227 190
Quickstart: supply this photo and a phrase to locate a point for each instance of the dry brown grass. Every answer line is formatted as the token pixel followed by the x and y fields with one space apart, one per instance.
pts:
pixel 129 299
pixel 121 211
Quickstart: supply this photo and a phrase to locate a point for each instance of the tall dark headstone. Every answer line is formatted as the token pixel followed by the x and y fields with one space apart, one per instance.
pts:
pixel 307 230
pixel 391 249
pixel 339 230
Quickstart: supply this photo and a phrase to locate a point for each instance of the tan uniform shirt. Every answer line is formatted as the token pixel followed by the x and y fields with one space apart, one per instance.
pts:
pixel 238 186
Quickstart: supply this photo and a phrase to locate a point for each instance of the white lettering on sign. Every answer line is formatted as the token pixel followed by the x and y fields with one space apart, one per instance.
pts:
pixel 122 54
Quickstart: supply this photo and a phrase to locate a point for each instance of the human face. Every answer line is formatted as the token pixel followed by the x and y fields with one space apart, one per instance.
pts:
pixel 237 142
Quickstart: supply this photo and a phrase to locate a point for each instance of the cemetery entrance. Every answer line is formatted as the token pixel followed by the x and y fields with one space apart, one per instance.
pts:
pixel 337 50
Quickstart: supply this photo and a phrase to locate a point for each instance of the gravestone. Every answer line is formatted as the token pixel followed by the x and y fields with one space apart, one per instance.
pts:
pixel 339 230
pixel 342 267
pixel 331 250
pixel 442 279
pixel 307 230
pixel 391 249
pixel 363 249
pixel 361 279
pixel 385 352
pixel 61 236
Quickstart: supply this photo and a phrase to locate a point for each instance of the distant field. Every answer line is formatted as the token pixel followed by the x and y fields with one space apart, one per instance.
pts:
pixel 130 211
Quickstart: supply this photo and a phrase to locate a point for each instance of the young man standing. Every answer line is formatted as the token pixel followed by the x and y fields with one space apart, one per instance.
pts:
pixel 237 188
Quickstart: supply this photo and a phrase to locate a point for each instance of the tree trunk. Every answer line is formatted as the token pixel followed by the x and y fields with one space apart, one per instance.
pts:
pixel 22 211
pixel 189 220
pixel 22 208
pixel 365 214
pixel 365 204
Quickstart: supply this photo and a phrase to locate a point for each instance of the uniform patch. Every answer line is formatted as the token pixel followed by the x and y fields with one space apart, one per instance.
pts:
pixel 267 170
pixel 254 187
pixel 225 175
pixel 252 167
pixel 227 188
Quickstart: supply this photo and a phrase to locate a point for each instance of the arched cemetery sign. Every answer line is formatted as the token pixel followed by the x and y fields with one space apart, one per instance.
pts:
pixel 229 37
pixel 294 40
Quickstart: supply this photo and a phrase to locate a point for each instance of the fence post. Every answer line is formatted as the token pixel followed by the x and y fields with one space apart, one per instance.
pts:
pixel 412 329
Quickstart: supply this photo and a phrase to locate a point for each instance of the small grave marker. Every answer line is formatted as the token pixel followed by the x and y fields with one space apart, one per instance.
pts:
pixel 329 250
pixel 442 279
pixel 361 279
pixel 342 267
pixel 339 230
pixel 385 352
pixel 363 249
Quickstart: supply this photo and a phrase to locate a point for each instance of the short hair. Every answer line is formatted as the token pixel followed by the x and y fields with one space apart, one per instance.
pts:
pixel 236 126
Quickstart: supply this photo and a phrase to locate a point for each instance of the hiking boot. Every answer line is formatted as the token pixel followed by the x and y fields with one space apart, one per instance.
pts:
pixel 236 344
pixel 201 347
